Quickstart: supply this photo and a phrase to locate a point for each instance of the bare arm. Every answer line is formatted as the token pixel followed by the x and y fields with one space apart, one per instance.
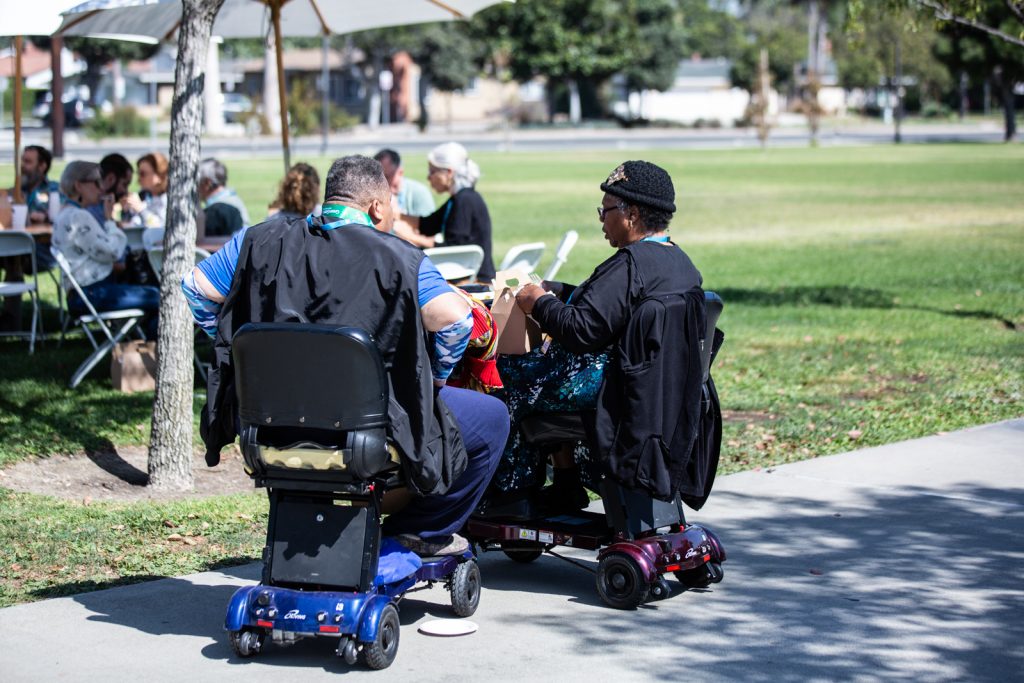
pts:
pixel 442 311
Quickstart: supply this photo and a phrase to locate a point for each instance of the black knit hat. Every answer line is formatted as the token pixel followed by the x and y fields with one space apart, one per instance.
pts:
pixel 641 182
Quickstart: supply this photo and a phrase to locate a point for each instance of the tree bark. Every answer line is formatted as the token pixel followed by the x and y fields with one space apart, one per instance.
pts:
pixel 1009 110
pixel 170 446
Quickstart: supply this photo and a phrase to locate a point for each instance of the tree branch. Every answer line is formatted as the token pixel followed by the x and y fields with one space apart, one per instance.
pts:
pixel 1017 7
pixel 945 14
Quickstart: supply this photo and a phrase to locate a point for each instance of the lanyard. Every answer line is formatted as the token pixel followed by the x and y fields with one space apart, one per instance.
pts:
pixel 341 215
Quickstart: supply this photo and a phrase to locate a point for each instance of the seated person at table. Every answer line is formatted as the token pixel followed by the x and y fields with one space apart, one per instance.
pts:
pixel 36 188
pixel 225 214
pixel 148 208
pixel 464 218
pixel 638 204
pixel 92 248
pixel 116 175
pixel 343 268
pixel 412 198
pixel 299 193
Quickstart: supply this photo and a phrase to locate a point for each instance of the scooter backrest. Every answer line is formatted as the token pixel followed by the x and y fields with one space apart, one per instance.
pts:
pixel 309 376
pixel 713 310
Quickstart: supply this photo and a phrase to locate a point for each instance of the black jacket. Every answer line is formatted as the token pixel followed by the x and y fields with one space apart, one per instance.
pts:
pixel 464 219
pixel 356 276
pixel 649 406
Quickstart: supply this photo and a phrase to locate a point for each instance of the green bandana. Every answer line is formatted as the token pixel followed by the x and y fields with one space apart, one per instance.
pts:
pixel 336 215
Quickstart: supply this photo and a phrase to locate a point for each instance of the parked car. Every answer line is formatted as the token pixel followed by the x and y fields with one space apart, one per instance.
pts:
pixel 76 111
pixel 235 106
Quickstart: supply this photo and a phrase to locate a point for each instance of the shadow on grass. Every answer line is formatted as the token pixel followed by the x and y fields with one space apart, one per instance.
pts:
pixel 842 296
pixel 109 460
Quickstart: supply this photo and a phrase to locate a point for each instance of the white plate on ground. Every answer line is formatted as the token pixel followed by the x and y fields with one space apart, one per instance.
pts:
pixel 448 627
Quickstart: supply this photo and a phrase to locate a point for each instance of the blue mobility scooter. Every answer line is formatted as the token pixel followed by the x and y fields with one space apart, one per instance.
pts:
pixel 638 539
pixel 313 410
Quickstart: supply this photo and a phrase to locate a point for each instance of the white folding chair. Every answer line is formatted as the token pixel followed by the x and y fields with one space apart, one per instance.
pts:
pixel 94 321
pixel 561 254
pixel 523 256
pixel 156 259
pixel 152 238
pixel 134 235
pixel 15 244
pixel 457 263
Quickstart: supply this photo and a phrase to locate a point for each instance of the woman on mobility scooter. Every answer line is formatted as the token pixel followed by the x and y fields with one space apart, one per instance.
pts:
pixel 626 349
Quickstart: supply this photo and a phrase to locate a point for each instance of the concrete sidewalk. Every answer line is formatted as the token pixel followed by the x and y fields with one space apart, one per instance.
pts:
pixel 899 562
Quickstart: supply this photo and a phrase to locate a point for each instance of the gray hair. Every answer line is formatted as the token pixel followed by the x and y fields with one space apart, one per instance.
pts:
pixel 212 170
pixel 357 180
pixel 77 172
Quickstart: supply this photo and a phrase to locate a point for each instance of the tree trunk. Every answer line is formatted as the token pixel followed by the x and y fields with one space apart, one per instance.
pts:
pixel 424 93
pixel 170 446
pixel 1009 110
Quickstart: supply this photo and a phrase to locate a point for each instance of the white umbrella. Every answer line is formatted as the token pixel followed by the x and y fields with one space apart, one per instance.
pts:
pixel 158 20
pixel 38 18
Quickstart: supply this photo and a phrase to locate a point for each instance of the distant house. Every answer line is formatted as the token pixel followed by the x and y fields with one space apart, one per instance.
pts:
pixel 701 93
pixel 346 84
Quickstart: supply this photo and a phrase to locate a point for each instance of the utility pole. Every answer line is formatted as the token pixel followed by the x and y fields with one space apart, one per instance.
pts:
pixel 898 138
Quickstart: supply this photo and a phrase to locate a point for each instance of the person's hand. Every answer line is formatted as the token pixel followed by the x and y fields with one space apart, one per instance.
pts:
pixel 134 203
pixel 108 206
pixel 38 217
pixel 527 297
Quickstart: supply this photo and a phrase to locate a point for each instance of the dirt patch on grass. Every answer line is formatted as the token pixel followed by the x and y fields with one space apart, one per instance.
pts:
pixel 119 474
pixel 742 416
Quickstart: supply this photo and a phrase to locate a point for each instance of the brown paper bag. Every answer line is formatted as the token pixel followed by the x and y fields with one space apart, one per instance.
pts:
pixel 517 334
pixel 133 366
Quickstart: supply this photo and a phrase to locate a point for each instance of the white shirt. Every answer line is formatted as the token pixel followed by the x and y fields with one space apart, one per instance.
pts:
pixel 90 248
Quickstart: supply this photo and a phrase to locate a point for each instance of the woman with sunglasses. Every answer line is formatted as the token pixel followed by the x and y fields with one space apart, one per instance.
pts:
pixel 93 249
pixel 566 374
pixel 464 218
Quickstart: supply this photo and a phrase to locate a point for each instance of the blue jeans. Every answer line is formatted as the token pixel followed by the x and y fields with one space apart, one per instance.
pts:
pixel 110 295
pixel 484 423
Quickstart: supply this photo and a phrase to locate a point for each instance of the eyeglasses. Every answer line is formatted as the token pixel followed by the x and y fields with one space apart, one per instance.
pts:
pixel 603 211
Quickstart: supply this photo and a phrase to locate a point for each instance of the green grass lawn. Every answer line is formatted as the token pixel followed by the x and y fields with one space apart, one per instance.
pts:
pixel 872 294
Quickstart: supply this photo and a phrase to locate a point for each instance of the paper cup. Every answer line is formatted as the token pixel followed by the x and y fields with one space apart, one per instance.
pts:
pixel 20 216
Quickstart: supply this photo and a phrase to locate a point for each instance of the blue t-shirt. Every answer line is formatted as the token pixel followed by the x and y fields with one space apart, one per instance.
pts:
pixel 219 269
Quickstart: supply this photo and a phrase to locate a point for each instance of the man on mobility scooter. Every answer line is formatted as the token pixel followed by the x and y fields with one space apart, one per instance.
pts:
pixel 322 332
pixel 621 397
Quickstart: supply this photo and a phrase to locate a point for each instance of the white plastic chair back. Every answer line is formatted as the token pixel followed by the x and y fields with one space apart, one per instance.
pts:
pixel 152 238
pixel 457 263
pixel 524 257
pixel 156 259
pixel 562 254
pixel 134 235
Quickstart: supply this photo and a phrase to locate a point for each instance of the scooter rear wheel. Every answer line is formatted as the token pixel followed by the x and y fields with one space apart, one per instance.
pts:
pixel 521 551
pixel 702 576
pixel 381 652
pixel 246 643
pixel 620 581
